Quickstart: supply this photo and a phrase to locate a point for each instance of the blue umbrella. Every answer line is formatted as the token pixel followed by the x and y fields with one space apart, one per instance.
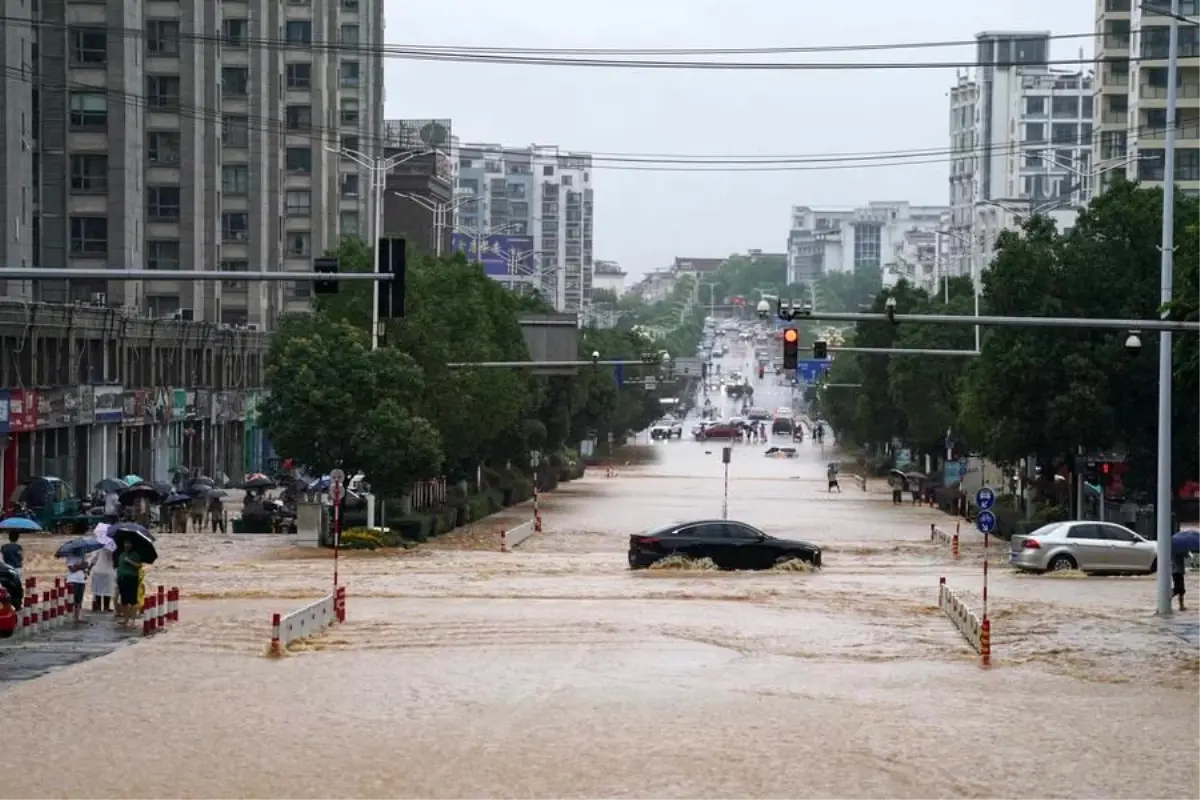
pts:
pixel 19 524
pixel 79 547
pixel 1185 542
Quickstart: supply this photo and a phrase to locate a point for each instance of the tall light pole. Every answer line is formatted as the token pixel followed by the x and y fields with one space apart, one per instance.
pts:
pixel 378 169
pixel 441 214
pixel 1162 501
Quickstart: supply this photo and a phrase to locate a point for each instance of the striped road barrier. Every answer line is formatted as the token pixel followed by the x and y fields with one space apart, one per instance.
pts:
pixel 312 619
pixel 859 481
pixel 54 607
pixel 943 537
pixel 976 630
pixel 511 537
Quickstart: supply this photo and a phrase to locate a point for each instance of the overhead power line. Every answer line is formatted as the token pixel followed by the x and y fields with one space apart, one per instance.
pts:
pixel 633 162
pixel 581 59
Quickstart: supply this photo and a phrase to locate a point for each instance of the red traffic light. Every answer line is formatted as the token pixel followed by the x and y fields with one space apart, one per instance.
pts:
pixel 1106 468
pixel 791 335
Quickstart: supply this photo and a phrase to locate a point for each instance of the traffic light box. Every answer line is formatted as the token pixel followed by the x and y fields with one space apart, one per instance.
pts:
pixel 326 266
pixel 392 257
pixel 820 350
pixel 791 348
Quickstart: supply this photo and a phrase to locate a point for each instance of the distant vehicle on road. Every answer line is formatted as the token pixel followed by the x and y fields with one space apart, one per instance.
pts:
pixel 1083 545
pixel 667 429
pixel 783 425
pixel 730 545
pixel 759 414
pixel 781 452
pixel 720 430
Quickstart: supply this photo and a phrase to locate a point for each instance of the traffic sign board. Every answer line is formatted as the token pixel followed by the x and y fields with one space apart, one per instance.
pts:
pixel 985 498
pixel 985 522
pixel 535 458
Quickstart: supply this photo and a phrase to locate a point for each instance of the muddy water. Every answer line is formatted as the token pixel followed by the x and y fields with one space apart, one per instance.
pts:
pixel 555 672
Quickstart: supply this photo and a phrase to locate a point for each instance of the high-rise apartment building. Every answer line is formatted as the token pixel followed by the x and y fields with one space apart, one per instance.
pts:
pixel 185 135
pixel 1132 93
pixel 1020 137
pixel 540 192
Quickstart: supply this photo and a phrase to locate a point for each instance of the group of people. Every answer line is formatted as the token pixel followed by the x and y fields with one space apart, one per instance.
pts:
pixel 117 575
pixel 180 518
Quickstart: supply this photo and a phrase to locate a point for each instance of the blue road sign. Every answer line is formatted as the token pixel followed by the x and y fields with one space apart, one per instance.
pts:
pixel 985 522
pixel 985 498
pixel 810 370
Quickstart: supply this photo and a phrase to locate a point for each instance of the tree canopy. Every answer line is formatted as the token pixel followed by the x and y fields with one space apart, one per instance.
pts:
pixel 1042 391
pixel 401 413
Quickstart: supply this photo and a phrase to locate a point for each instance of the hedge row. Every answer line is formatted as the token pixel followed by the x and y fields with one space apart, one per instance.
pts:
pixel 500 489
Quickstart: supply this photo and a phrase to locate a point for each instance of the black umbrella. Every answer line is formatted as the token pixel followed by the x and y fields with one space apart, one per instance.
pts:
pixel 141 491
pixel 176 499
pixel 261 482
pixel 164 487
pixel 143 541
pixel 111 485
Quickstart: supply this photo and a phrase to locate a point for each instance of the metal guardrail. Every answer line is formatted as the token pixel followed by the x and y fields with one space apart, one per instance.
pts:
pixel 302 623
pixel 511 537
pixel 859 481
pixel 967 621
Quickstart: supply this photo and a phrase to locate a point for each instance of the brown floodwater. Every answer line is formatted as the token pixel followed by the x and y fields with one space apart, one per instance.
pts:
pixel 554 671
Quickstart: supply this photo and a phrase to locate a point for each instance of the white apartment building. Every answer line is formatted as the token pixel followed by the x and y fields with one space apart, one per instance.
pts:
pixel 1132 93
pixel 1020 139
pixel 881 234
pixel 609 276
pixel 537 191
pixel 192 146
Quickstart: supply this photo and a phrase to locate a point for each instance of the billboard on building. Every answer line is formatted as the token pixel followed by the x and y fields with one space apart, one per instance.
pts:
pixel 500 254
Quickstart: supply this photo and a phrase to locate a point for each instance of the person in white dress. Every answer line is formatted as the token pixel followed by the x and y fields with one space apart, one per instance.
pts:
pixel 104 574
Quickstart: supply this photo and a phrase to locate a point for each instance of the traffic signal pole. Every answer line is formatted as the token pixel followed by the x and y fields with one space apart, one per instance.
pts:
pixel 904 351
pixel 1077 323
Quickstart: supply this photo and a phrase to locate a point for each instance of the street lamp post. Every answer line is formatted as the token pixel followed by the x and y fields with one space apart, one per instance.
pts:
pixel 378 168
pixel 441 214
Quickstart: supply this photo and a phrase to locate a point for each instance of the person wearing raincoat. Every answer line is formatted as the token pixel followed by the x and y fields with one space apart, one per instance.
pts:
pixel 104 574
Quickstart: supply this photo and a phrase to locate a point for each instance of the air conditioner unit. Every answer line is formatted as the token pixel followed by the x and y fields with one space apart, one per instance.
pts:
pixel 253 326
pixel 99 299
pixel 185 315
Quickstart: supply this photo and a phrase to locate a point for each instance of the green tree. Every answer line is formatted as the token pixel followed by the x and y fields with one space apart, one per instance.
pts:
pixel 396 448
pixel 848 291
pixel 320 376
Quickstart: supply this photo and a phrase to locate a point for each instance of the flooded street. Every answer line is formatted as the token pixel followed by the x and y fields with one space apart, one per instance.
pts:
pixel 554 671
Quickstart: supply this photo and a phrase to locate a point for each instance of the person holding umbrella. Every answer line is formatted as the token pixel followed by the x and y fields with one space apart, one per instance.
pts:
pixel 104 574
pixel 129 569
pixel 1183 543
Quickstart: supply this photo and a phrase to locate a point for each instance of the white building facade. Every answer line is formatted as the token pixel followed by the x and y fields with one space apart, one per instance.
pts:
pixel 882 234
pixel 609 276
pixel 540 192
pixel 1020 140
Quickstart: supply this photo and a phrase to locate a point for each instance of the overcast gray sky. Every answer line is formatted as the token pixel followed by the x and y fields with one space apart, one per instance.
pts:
pixel 643 218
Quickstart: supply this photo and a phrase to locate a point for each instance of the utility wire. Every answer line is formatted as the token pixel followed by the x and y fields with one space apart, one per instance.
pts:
pixel 463 55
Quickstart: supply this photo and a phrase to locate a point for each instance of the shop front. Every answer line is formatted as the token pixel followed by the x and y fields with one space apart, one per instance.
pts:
pixel 104 433
pixel 20 441
pixel 133 441
pixel 4 480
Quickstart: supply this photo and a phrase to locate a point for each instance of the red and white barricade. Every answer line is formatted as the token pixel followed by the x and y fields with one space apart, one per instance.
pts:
pixel 302 623
pixel 46 610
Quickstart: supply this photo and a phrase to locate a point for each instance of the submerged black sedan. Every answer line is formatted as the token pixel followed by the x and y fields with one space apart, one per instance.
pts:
pixel 730 545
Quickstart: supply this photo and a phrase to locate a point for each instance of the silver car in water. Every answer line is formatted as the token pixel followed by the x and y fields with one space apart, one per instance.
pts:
pixel 1083 545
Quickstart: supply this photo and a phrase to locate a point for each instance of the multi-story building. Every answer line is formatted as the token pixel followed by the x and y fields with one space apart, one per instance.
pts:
pixel 608 276
pixel 418 201
pixel 823 242
pixel 205 143
pixel 93 393
pixel 1131 92
pixel 1020 134
pixel 539 192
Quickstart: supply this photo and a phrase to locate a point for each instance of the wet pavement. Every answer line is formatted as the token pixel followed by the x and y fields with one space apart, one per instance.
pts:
pixel 554 671
pixel 34 656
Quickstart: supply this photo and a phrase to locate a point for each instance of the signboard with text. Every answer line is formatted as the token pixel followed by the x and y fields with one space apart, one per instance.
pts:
pixel 500 254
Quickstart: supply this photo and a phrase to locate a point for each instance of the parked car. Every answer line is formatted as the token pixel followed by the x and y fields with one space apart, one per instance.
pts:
pixel 730 545
pixel 1083 545
pixel 720 430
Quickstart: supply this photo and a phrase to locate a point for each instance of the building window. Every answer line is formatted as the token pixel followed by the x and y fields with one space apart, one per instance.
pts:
pixel 299 118
pixel 162 203
pixel 298 31
pixel 1187 164
pixel 299 244
pixel 89 173
pixel 162 254
pixel 349 5
pixel 349 113
pixel 162 92
pixel 348 224
pixel 235 179
pixel 89 47
pixel 1035 106
pixel 299 76
pixel 349 34
pixel 350 185
pixel 235 81
pixel 1064 107
pixel 235 131
pixel 162 37
pixel 89 236
pixel 349 143
pixel 1035 132
pixel 235 33
pixel 235 226
pixel 298 203
pixel 351 74
pixel 1064 133
pixel 162 147
pixel 299 159
pixel 89 110
pixel 234 265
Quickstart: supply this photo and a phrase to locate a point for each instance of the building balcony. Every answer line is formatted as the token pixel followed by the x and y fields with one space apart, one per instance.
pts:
pixel 1158 94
